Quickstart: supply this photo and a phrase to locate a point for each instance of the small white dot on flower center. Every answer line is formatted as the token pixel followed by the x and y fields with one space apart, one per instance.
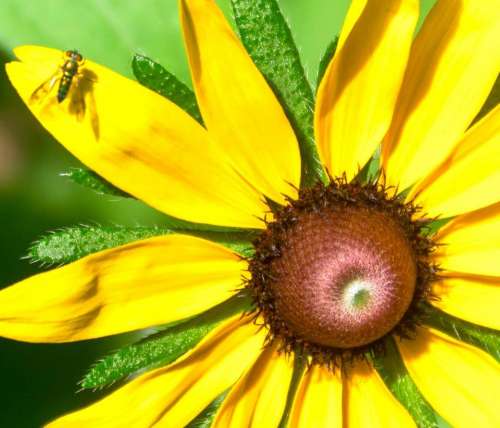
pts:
pixel 357 294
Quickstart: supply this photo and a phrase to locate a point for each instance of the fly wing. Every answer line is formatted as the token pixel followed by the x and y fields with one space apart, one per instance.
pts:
pixel 45 88
pixel 77 105
pixel 82 100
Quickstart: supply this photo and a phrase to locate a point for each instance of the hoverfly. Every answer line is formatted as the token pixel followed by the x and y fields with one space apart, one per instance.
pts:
pixel 75 83
pixel 73 61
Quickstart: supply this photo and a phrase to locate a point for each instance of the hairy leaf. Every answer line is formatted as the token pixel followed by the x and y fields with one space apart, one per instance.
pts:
pixel 72 243
pixel 163 347
pixel 394 374
pixel 87 178
pixel 268 39
pixel 484 338
pixel 155 77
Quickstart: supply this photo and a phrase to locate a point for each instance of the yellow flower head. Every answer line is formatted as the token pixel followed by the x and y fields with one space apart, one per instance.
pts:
pixel 348 282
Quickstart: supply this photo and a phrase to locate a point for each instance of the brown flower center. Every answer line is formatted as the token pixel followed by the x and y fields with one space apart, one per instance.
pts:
pixel 345 277
pixel 340 268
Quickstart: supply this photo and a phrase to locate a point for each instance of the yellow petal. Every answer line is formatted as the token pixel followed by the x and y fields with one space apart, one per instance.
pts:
pixel 358 93
pixel 368 402
pixel 172 396
pixel 470 243
pixel 473 298
pixel 139 141
pixel 470 178
pixel 461 382
pixel 442 91
pixel 134 286
pixel 258 399
pixel 239 109
pixel 318 401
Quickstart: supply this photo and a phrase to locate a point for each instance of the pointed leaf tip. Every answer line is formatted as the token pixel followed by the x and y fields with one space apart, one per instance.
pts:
pixel 153 76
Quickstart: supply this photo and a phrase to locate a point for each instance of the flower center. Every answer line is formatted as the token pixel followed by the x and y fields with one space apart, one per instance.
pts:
pixel 345 277
pixel 340 268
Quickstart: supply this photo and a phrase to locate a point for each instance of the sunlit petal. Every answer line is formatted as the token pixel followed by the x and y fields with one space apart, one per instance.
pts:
pixel 134 286
pixel 470 178
pixel 238 107
pixel 173 396
pixel 139 141
pixel 358 93
pixel 368 402
pixel 470 243
pixel 461 382
pixel 453 65
pixel 258 399
pixel 472 298
pixel 318 400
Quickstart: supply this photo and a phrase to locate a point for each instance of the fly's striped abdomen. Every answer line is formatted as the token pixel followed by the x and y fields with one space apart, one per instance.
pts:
pixel 64 86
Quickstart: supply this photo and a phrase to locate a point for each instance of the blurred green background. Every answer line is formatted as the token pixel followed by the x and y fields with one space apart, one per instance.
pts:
pixel 39 382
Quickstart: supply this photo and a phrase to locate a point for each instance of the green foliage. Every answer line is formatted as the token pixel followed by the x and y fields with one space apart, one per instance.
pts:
pixel 484 338
pixel 326 59
pixel 205 418
pixel 72 243
pixel 299 365
pixel 164 347
pixel 268 40
pixel 156 78
pixel 93 181
pixel 391 368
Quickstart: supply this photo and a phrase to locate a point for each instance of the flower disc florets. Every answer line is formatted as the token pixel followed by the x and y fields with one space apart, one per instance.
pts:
pixel 340 268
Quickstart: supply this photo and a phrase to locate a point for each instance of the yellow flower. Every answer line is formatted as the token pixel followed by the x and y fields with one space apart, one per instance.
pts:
pixel 414 97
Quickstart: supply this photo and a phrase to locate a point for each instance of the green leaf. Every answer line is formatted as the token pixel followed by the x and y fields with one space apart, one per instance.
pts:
pixel 326 59
pixel 269 41
pixel 163 347
pixel 299 365
pixel 491 102
pixel 206 417
pixel 393 372
pixel 155 77
pixel 87 178
pixel 484 338
pixel 72 243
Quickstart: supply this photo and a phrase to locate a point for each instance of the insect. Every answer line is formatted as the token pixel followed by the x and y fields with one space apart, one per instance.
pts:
pixel 65 74
pixel 75 83
pixel 74 60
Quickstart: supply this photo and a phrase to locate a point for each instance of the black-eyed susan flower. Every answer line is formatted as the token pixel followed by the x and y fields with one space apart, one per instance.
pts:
pixel 369 294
